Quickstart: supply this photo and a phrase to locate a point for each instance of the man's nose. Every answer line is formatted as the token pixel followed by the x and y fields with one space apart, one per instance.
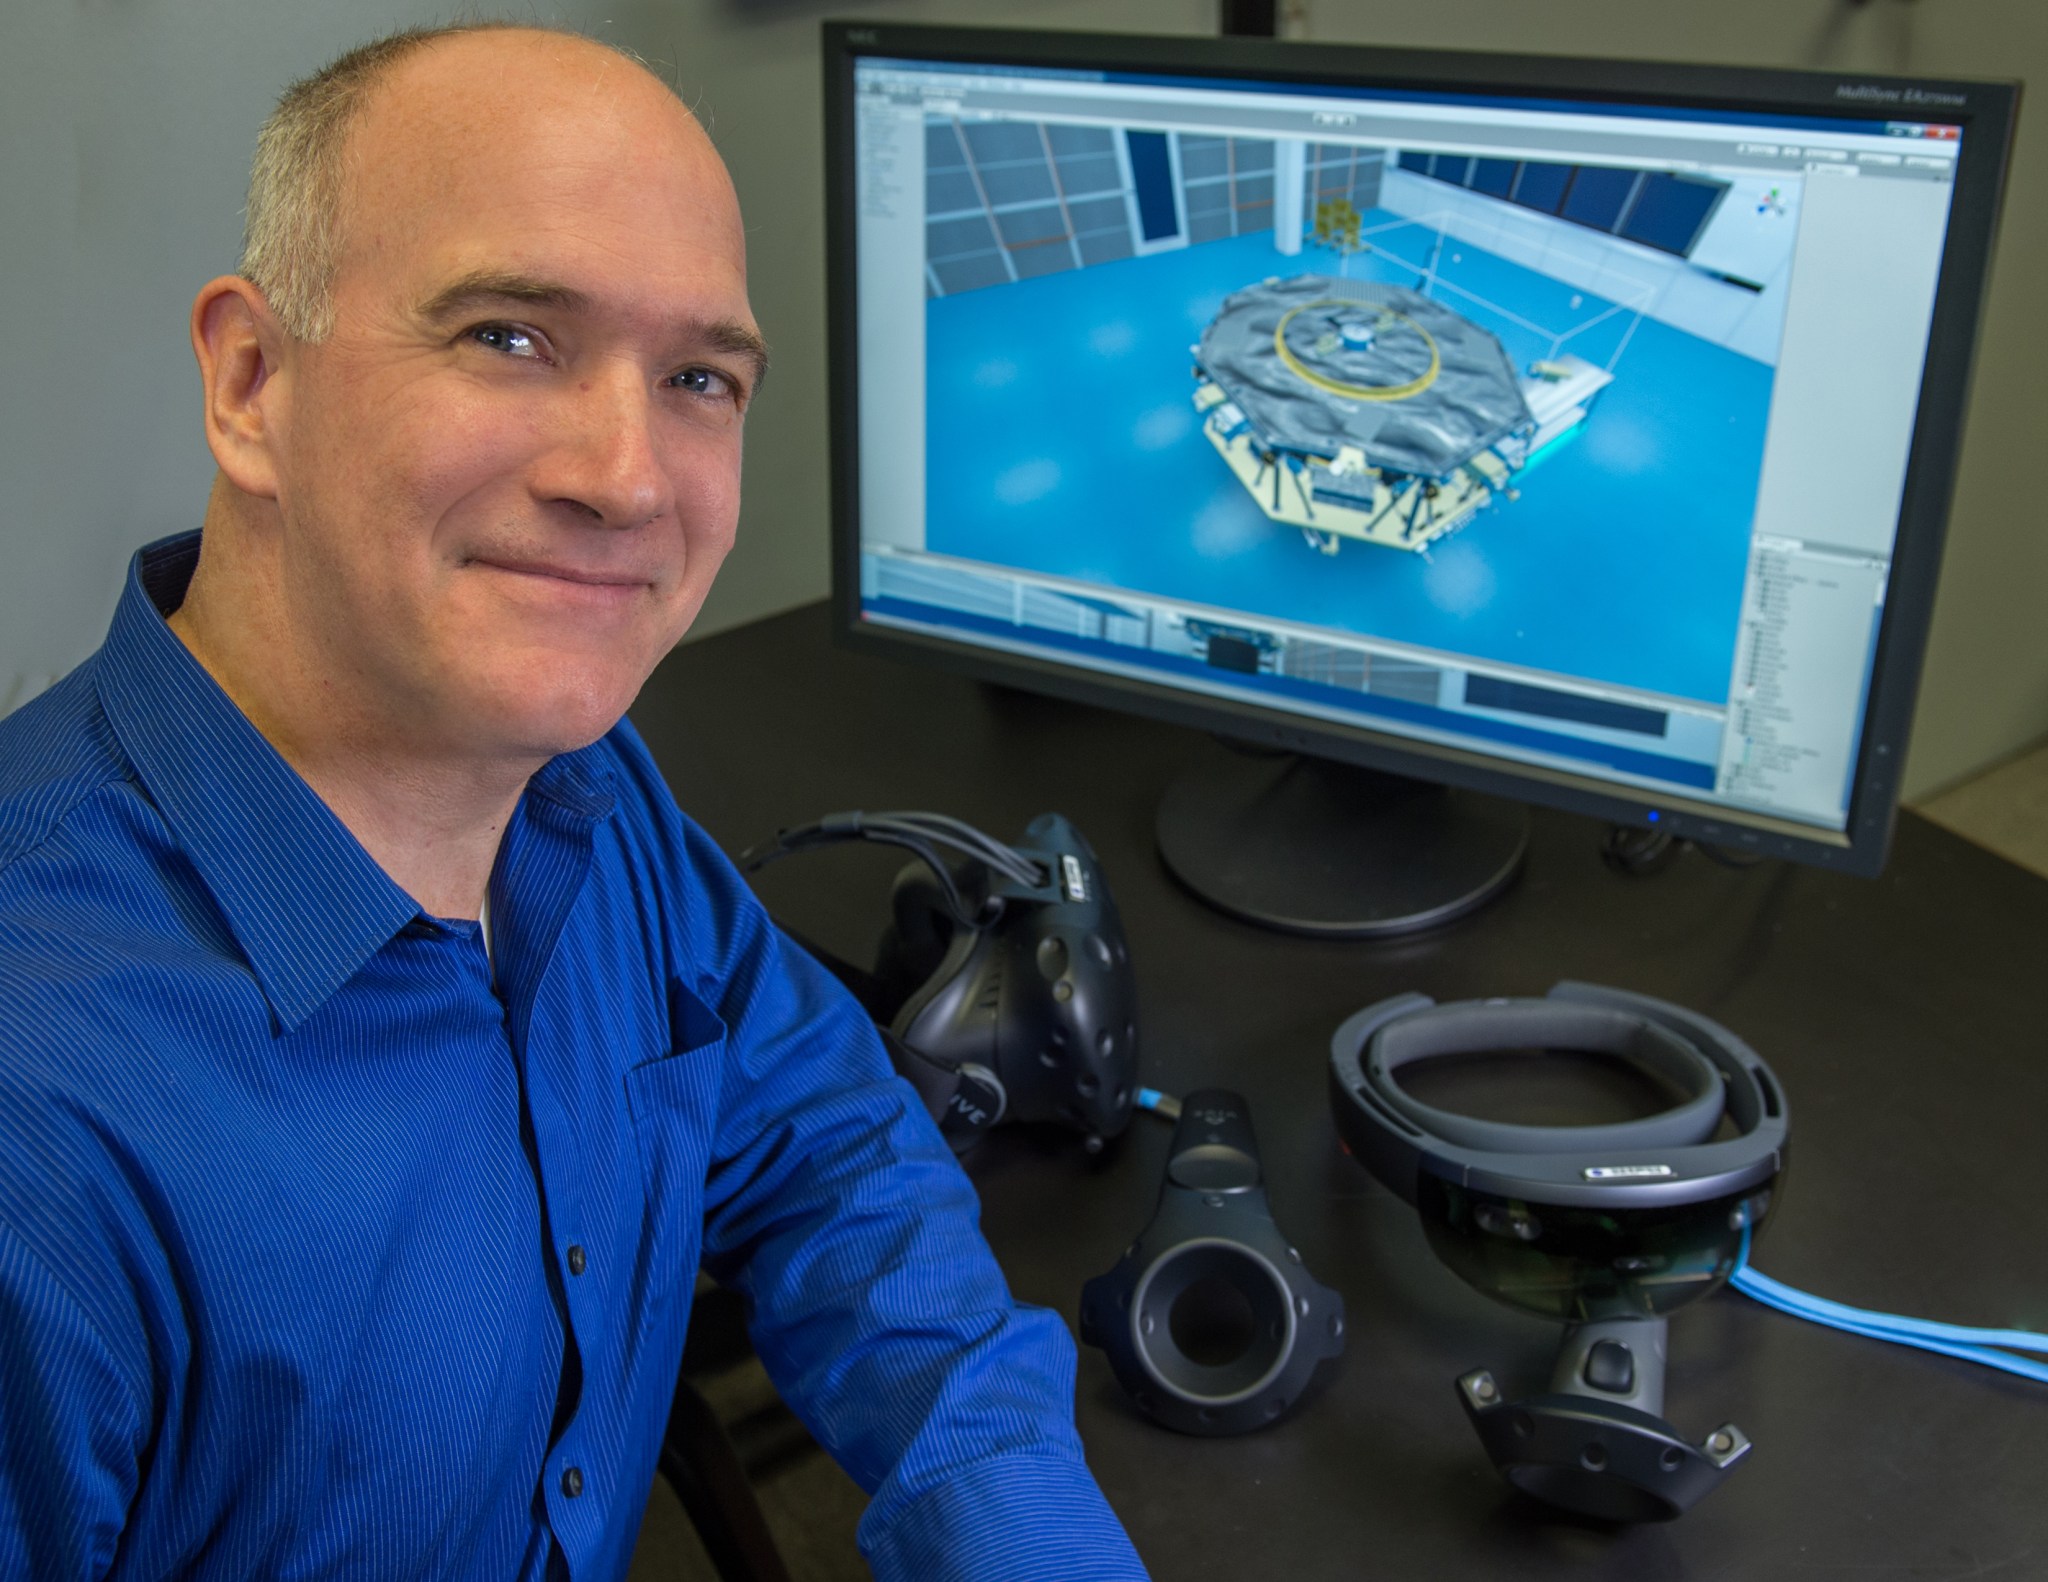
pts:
pixel 604 456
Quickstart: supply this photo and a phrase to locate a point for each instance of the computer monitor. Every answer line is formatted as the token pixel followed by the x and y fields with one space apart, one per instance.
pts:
pixel 1575 432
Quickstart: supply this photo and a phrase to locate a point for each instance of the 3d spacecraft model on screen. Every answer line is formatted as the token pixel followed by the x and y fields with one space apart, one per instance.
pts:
pixel 1361 410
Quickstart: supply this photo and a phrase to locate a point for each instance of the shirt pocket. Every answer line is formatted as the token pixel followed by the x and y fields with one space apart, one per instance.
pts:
pixel 673 1100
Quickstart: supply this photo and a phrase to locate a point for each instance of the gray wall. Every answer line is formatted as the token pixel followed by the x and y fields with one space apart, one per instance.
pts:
pixel 125 128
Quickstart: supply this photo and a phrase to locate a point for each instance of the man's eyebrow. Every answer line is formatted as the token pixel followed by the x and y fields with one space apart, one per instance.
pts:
pixel 737 339
pixel 486 287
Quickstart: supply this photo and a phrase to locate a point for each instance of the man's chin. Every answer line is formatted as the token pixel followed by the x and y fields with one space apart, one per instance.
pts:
pixel 540 717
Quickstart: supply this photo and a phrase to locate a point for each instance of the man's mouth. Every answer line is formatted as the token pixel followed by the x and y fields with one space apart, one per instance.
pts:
pixel 591 582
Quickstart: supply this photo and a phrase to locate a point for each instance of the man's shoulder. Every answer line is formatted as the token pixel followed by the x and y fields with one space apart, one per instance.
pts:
pixel 78 835
pixel 110 951
pixel 56 751
pixel 74 839
pixel 96 903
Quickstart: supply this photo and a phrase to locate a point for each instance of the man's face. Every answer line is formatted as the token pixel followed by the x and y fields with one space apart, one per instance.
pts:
pixel 508 477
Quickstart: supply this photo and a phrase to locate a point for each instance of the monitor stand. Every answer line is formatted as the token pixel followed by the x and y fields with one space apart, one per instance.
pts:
pixel 1310 846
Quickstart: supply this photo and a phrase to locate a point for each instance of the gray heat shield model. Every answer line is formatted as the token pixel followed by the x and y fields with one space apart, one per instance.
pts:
pixel 1356 335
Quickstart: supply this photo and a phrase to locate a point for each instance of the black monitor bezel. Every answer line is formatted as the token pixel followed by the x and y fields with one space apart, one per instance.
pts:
pixel 1984 110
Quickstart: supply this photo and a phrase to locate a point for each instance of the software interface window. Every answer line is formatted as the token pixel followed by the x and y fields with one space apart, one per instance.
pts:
pixel 1572 437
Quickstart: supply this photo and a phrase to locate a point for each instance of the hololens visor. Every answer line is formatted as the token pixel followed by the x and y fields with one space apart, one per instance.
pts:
pixel 1608 1228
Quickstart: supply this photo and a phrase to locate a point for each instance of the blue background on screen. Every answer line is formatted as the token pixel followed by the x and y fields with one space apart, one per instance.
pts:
pixel 1061 439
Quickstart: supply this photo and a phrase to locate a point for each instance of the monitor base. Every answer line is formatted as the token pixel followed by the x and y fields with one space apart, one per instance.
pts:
pixel 1308 846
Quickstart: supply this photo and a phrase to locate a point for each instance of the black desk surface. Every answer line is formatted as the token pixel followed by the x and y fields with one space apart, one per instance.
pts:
pixel 1904 1017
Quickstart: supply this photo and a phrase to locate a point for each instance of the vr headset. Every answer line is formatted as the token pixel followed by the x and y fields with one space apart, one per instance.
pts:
pixel 1002 985
pixel 1607 1229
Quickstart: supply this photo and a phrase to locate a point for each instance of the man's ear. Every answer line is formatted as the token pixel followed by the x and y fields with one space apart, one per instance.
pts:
pixel 239 343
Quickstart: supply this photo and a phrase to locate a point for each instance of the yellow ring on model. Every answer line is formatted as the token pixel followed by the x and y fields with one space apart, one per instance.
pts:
pixel 1359 392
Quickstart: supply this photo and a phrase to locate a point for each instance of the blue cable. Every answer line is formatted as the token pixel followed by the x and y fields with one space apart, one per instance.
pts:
pixel 1951 1340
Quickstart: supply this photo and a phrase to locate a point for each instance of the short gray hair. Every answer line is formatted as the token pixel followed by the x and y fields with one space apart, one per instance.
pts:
pixel 291 232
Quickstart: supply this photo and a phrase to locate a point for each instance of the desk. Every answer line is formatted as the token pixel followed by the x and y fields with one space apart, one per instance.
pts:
pixel 1903 1016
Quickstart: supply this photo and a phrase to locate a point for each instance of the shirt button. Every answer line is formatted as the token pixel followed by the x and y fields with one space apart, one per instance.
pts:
pixel 572 1482
pixel 577 1262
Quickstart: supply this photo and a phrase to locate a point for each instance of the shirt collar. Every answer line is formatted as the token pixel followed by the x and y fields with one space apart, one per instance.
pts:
pixel 581 783
pixel 307 904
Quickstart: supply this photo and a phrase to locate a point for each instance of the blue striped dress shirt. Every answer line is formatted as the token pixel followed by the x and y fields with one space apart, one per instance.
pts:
pixel 325 1253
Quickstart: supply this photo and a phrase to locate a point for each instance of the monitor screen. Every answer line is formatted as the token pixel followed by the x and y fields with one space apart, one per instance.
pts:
pixel 1568 430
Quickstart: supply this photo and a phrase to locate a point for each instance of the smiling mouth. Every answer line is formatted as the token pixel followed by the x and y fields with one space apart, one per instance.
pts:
pixel 599 583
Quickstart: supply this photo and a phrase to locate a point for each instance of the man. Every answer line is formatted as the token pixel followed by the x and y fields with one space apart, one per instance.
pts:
pixel 380 1050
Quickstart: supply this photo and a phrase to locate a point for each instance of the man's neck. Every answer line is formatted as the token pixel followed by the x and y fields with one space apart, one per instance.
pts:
pixel 433 828
pixel 433 822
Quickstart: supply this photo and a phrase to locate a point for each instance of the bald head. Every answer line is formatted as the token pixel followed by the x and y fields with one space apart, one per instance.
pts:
pixel 475 120
pixel 300 186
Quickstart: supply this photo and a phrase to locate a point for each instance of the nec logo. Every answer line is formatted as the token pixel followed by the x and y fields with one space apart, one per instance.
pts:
pixel 863 35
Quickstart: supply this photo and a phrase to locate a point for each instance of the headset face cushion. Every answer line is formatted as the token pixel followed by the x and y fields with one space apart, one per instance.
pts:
pixel 943 1019
pixel 920 927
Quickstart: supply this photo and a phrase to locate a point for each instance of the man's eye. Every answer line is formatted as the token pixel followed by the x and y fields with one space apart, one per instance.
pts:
pixel 506 338
pixel 705 382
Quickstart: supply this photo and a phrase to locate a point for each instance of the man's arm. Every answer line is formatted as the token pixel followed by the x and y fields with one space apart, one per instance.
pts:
pixel 70 1426
pixel 878 1309
pixel 877 1306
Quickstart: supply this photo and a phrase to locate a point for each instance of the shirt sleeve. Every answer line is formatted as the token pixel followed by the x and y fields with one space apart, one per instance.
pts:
pixel 878 1309
pixel 69 1426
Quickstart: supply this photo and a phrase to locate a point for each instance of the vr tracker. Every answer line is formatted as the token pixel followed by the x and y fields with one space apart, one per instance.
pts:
pixel 1002 985
pixel 1607 1228
pixel 1211 1322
